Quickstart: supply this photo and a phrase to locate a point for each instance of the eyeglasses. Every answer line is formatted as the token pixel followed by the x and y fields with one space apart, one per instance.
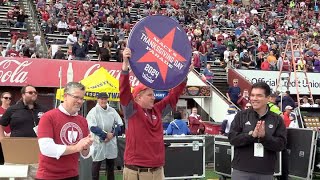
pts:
pixel 76 97
pixel 32 92
pixel 7 98
pixel 235 82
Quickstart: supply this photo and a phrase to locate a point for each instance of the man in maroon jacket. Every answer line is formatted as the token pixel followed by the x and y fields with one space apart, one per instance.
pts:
pixel 144 153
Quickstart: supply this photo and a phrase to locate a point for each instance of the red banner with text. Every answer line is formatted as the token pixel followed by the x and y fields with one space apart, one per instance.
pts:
pixel 46 72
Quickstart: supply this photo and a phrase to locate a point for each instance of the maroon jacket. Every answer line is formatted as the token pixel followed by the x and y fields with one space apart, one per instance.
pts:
pixel 144 131
pixel 242 102
pixel 194 123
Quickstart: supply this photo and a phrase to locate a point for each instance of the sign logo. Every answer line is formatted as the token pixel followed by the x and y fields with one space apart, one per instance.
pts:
pixel 70 133
pixel 13 71
pixel 161 55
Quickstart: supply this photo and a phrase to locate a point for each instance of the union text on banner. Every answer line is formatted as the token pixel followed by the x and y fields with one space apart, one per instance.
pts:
pixel 271 78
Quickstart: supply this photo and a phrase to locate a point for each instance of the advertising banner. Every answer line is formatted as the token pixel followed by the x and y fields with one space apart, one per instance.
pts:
pixel 271 78
pixel 161 52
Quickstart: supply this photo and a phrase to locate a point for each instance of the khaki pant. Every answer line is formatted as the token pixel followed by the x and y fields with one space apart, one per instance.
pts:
pixel 129 174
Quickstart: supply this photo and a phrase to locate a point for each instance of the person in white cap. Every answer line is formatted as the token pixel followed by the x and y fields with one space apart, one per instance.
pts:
pixel 286 115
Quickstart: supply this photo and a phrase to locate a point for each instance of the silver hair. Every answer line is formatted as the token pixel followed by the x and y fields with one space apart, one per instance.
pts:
pixel 71 86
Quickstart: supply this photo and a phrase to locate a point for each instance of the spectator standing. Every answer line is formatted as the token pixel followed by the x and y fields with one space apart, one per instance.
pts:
pixel 203 53
pixel 104 52
pixel 72 38
pixel 6 98
pixel 63 135
pixel 177 126
pixel 23 118
pixel 144 157
pixel 37 40
pixel 80 49
pixel 196 61
pixel 234 92
pixel 104 122
pixel 272 60
pixel 253 138
pixel 59 54
pixel 286 115
pixel 287 101
pixel 231 113
pixel 244 99
pixel 195 122
pixel 273 105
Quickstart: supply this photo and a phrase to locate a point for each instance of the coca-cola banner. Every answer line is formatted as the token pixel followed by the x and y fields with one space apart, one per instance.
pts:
pixel 45 72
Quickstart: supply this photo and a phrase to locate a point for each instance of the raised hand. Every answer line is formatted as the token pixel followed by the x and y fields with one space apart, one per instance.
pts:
pixel 256 130
pixel 262 130
pixel 126 55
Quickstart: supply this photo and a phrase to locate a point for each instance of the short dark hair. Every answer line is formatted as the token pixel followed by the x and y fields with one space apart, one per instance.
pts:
pixel 23 89
pixel 273 95
pixel 4 93
pixel 264 86
pixel 177 115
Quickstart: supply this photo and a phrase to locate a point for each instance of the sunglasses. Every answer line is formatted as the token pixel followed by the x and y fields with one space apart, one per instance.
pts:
pixel 248 106
pixel 7 98
pixel 235 82
pixel 32 92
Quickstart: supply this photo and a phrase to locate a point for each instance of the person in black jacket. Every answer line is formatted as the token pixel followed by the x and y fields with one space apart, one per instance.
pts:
pixel 104 52
pixel 59 54
pixel 286 101
pixel 257 134
pixel 80 49
pixel 21 19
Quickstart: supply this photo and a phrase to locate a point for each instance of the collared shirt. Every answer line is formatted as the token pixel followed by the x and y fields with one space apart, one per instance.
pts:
pixel 22 119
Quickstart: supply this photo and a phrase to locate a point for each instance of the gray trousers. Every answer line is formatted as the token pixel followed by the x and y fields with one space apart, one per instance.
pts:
pixel 241 175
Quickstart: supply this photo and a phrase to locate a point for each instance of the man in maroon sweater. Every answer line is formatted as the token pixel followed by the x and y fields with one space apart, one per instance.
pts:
pixel 144 153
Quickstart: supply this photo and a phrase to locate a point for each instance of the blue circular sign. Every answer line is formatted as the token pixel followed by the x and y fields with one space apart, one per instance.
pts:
pixel 160 52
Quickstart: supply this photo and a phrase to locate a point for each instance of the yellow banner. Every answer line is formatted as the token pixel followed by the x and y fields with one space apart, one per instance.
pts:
pixel 100 81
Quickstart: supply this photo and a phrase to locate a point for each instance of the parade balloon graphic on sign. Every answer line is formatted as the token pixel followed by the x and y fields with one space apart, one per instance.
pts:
pixel 161 52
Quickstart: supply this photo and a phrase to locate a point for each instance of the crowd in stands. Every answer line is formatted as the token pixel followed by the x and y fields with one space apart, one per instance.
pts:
pixel 253 34
pixel 247 34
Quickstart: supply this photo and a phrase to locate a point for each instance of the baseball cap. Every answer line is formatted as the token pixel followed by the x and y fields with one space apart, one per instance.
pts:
pixel 102 95
pixel 232 109
pixel 288 107
pixel 138 89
